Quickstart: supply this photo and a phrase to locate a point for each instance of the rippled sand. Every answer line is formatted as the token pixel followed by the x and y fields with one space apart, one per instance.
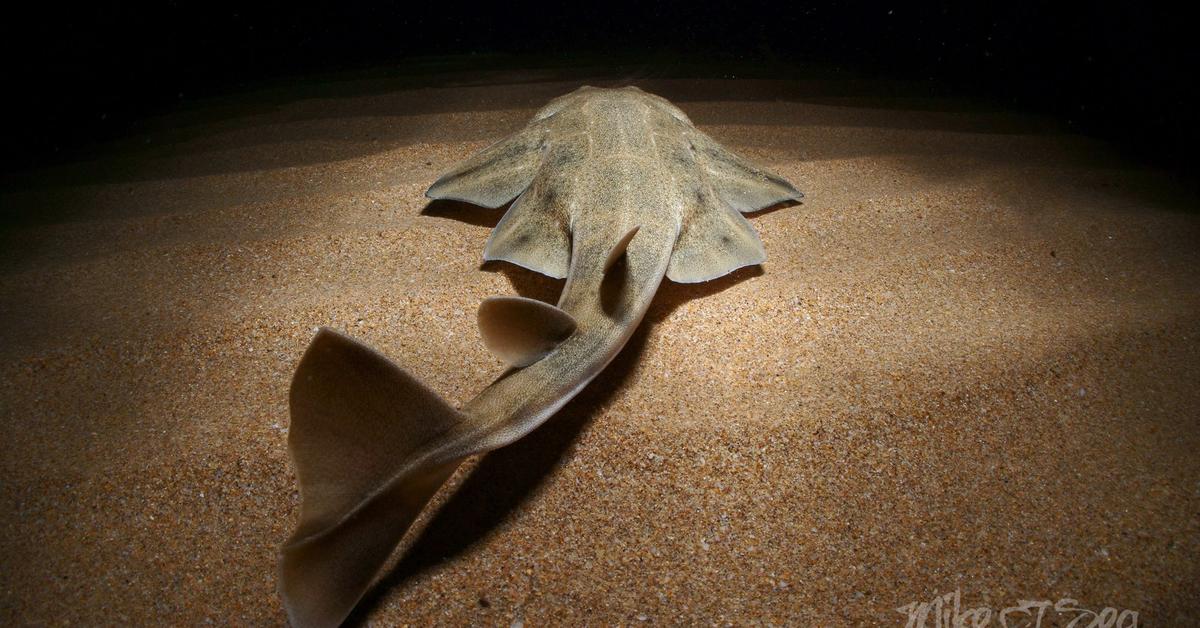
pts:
pixel 969 364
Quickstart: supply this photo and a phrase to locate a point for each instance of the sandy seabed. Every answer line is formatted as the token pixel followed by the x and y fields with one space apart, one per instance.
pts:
pixel 970 364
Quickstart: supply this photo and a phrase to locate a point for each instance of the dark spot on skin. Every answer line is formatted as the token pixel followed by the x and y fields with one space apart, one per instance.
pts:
pixel 1052 253
pixel 484 603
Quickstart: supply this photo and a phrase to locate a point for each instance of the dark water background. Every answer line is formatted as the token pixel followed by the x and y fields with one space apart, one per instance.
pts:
pixel 77 76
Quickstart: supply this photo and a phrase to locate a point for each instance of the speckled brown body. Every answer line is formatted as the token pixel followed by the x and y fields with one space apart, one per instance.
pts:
pixel 617 160
pixel 615 190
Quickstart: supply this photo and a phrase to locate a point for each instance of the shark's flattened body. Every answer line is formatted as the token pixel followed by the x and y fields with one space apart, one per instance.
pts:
pixel 600 177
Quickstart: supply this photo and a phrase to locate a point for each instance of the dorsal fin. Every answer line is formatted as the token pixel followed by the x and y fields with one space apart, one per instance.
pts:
pixel 619 250
pixel 742 185
pixel 533 234
pixel 496 174
pixel 715 240
pixel 522 331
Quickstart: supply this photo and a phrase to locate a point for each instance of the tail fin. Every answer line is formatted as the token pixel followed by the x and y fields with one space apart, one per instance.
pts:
pixel 357 421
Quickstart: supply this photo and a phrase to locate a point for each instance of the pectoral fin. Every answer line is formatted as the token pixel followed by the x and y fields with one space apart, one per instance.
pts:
pixel 742 185
pixel 495 175
pixel 522 331
pixel 715 240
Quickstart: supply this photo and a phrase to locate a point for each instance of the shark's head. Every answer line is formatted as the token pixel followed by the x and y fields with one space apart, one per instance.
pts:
pixel 628 92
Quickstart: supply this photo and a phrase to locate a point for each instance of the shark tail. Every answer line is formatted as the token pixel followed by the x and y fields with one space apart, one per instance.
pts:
pixel 360 435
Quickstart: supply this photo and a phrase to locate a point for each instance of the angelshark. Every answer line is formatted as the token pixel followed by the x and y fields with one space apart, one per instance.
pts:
pixel 614 189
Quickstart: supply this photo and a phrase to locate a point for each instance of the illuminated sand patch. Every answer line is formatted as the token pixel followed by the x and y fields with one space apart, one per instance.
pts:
pixel 968 363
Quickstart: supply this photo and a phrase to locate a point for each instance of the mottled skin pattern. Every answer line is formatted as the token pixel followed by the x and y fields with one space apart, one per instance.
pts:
pixel 607 166
pixel 372 444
